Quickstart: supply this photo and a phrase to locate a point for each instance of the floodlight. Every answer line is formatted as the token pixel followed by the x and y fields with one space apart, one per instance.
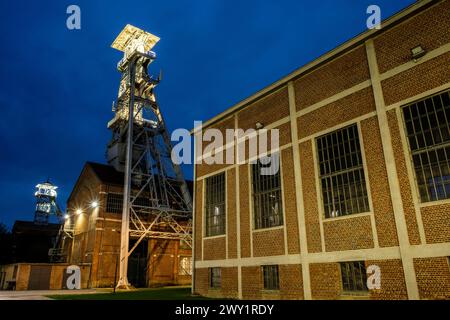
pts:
pixel 131 38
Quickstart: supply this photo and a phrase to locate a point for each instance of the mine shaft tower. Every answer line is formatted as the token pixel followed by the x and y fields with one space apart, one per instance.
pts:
pixel 156 200
pixel 46 203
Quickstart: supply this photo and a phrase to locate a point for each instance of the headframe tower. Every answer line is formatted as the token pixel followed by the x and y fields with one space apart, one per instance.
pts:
pixel 45 203
pixel 156 199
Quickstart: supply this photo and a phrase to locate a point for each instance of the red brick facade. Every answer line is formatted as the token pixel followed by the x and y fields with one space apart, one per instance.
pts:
pixel 365 82
pixel 96 239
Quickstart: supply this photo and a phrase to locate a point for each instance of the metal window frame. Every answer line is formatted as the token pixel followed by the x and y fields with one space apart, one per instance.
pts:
pixel 114 205
pixel 215 197
pixel 183 271
pixel 271 277
pixel 266 193
pixel 419 136
pixel 352 281
pixel 215 277
pixel 342 173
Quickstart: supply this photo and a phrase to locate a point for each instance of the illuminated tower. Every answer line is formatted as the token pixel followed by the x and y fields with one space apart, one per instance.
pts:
pixel 45 203
pixel 156 201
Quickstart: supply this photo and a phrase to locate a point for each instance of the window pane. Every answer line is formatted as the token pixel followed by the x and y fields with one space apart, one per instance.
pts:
pixel 271 277
pixel 342 176
pixel 429 140
pixel 114 202
pixel 215 277
pixel 215 205
pixel 354 276
pixel 267 203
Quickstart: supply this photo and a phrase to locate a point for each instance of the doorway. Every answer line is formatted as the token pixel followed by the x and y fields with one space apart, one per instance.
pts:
pixel 137 264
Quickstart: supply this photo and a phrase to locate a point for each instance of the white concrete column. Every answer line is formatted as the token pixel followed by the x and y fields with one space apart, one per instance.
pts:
pixel 299 194
pixel 394 186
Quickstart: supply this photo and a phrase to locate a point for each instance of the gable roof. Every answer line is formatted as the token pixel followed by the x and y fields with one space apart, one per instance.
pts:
pixel 106 174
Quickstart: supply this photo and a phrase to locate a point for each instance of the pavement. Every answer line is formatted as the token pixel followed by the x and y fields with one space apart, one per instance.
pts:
pixel 40 294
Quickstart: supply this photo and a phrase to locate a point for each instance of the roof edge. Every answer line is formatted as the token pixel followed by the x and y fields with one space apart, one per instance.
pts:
pixel 346 46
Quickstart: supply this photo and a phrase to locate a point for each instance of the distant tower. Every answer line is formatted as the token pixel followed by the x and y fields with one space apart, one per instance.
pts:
pixel 45 202
pixel 156 201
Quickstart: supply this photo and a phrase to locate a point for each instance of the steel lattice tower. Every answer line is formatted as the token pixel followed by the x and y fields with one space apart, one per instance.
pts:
pixel 156 200
pixel 45 203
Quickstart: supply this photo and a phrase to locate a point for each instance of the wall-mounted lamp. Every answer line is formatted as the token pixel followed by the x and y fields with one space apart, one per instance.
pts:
pixel 94 204
pixel 79 211
pixel 417 52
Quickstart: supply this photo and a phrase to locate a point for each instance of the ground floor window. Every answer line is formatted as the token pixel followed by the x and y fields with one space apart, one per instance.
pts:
pixel 185 266
pixel 215 277
pixel 271 277
pixel 354 276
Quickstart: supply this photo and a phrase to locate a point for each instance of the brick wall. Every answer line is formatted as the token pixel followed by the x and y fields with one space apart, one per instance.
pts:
pixel 325 281
pixel 290 201
pixel 393 284
pixel 340 74
pixel 198 219
pixel 433 277
pixel 222 126
pixel 244 212
pixel 214 248
pixel 310 198
pixel 351 233
pixel 403 178
pixel 23 276
pixel 414 81
pixel 267 110
pixel 284 137
pixel 436 222
pixel 429 29
pixel 214 162
pixel 231 214
pixel 251 282
pixel 381 199
pixel 229 283
pixel 291 281
pixel 268 242
pixel 345 109
pixel 201 281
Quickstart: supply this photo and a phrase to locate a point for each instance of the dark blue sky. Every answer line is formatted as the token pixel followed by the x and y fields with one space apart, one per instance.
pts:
pixel 57 85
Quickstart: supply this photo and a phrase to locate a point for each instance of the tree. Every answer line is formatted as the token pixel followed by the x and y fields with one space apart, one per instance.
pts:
pixel 5 245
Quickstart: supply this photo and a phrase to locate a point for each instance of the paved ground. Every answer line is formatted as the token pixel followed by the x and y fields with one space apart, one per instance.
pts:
pixel 40 294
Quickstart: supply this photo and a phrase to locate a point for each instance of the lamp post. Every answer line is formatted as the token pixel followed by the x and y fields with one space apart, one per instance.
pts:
pixel 115 273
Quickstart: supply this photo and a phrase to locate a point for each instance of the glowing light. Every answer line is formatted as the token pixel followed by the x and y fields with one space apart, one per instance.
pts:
pixel 66 216
pixel 79 211
pixel 94 204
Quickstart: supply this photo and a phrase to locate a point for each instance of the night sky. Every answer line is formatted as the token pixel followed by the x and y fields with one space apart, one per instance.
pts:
pixel 57 85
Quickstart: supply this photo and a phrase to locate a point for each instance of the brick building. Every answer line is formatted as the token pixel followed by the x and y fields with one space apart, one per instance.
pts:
pixel 364 175
pixel 96 236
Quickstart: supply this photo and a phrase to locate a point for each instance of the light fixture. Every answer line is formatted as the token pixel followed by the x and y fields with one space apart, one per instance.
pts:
pixel 259 125
pixel 79 211
pixel 94 204
pixel 66 216
pixel 417 52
